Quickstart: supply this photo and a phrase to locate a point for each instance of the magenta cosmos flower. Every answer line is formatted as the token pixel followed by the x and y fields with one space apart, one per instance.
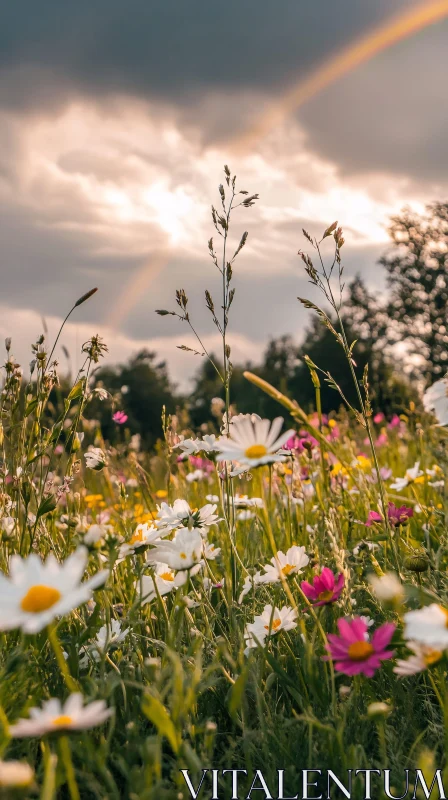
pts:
pixel 354 652
pixel 301 442
pixel 396 515
pixel 325 589
pixel 120 417
pixel 372 517
pixel 399 516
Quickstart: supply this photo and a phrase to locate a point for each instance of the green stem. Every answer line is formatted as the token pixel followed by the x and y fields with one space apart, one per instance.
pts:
pixel 62 664
pixel 50 764
pixel 66 756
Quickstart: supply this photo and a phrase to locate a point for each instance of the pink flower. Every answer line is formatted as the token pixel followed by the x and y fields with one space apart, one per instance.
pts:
pixel 396 516
pixel 399 516
pixel 201 463
pixel 372 517
pixel 325 589
pixel 314 420
pixel 120 417
pixel 395 422
pixel 381 440
pixel 334 432
pixel 379 418
pixel 354 652
pixel 301 441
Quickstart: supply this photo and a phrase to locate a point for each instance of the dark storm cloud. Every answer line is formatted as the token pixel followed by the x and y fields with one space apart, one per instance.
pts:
pixel 216 64
pixel 390 114
pixel 171 48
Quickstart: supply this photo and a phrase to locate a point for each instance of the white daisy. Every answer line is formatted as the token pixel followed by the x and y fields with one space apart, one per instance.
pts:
pixel 253 442
pixel 96 533
pixel 189 447
pixel 243 501
pixel 284 564
pixel 428 625
pixel 411 475
pixel 95 458
pixel 250 582
pixel 436 399
pixel 164 578
pixel 245 515
pixel 424 656
pixel 36 592
pixel 54 716
pixel 143 536
pixel 367 621
pixel 387 587
pixel 270 622
pixel 183 552
pixel 253 639
pixel 196 475
pixel 180 515
pixel 107 636
pixel 208 443
pixel 209 551
pixel 212 498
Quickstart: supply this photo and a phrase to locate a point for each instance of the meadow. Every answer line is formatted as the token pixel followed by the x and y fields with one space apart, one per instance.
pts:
pixel 260 594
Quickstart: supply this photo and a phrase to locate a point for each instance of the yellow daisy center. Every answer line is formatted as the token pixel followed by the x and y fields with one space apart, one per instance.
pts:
pixel 287 569
pixel 275 624
pixel 167 576
pixel 432 657
pixel 183 555
pixel 137 537
pixel 256 451
pixel 40 598
pixel 360 651
pixel 324 597
pixel 63 721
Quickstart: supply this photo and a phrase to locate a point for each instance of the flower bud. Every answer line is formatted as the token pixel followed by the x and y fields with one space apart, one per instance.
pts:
pixel 418 562
pixel 379 709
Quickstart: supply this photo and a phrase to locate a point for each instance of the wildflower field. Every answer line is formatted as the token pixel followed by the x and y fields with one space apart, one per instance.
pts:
pixel 260 594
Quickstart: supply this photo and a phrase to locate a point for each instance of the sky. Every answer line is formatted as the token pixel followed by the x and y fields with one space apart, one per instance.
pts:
pixel 116 120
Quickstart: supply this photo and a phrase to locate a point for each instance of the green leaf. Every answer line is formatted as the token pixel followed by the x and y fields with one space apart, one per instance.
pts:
pixel 26 491
pixel 237 692
pixel 31 406
pixel 48 504
pixel 77 389
pixel 158 715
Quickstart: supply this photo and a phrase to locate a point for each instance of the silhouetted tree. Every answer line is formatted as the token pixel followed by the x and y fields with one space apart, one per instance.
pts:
pixel 417 270
pixel 148 388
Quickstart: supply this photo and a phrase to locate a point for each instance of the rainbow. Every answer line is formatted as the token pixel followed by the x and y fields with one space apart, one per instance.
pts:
pixel 136 288
pixel 386 35
pixel 357 53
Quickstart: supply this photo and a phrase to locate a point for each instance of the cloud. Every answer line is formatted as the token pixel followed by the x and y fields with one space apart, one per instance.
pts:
pixel 168 49
pixel 212 68
pixel 26 326
pixel 128 210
